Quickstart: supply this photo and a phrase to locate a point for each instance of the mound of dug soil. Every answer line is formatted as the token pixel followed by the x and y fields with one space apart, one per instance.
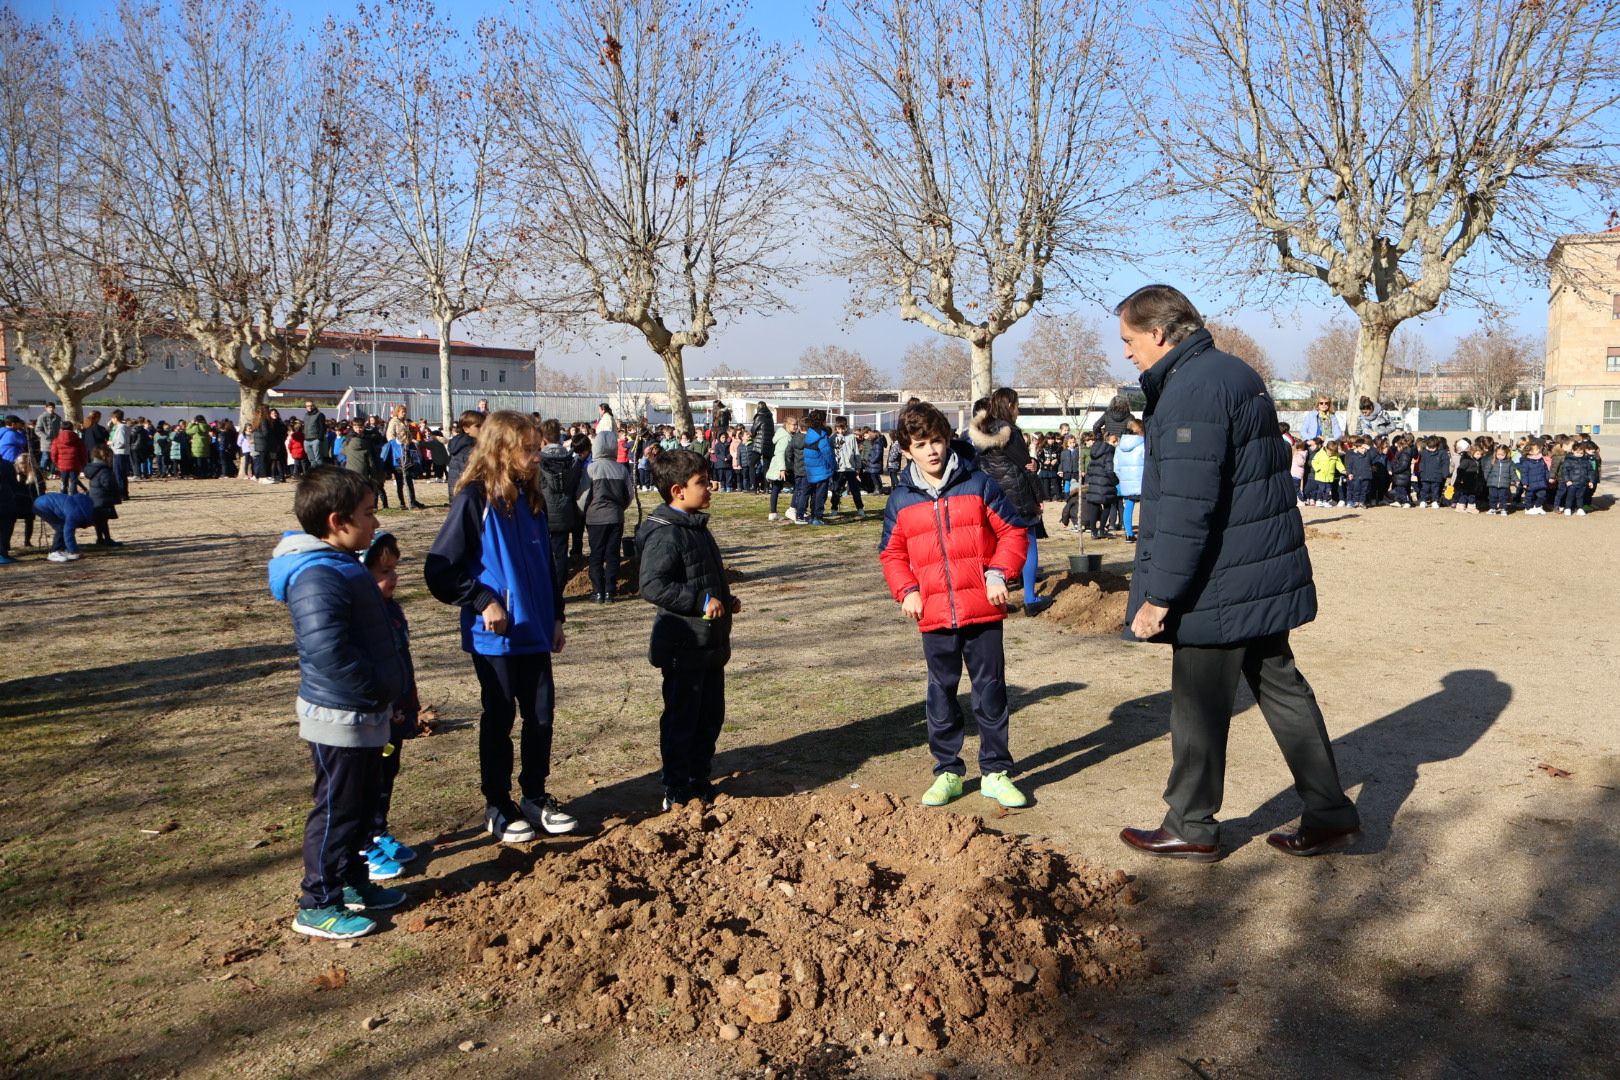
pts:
pixel 794 922
pixel 1092 605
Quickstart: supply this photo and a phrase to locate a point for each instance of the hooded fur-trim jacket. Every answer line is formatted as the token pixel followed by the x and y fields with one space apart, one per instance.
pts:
pixel 1004 455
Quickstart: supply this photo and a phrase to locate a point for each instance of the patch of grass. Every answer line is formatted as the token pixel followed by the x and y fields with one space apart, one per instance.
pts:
pixel 400 955
pixel 345 1050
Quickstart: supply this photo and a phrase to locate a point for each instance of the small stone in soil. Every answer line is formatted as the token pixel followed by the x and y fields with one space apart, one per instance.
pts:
pixel 730 1033
pixel 372 1023
pixel 468 1046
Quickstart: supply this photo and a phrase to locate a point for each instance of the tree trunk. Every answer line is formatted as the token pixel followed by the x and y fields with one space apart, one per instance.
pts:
pixel 252 401
pixel 72 407
pixel 981 369
pixel 675 376
pixel 446 410
pixel 1367 378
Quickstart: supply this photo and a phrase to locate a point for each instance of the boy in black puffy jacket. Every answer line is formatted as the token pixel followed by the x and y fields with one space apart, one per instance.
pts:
pixel 350 676
pixel 683 575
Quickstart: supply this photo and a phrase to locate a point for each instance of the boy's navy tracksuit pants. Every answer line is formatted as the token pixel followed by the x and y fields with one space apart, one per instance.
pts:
pixel 347 784
pixel 694 712
pixel 945 651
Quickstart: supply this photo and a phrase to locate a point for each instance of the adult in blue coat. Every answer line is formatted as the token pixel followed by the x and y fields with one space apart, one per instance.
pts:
pixel 1323 423
pixel 1222 575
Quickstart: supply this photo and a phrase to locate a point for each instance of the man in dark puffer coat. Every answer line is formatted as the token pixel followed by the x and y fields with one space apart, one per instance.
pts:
pixel 1222 575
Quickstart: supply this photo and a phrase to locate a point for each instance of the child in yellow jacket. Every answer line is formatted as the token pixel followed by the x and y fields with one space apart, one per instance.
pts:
pixel 1326 469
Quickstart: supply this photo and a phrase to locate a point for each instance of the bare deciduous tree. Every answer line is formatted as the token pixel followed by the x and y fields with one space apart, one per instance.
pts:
pixel 656 155
pixel 970 154
pixel 70 313
pixel 936 370
pixel 1492 364
pixel 1063 355
pixel 551 380
pixel 1231 338
pixel 862 381
pixel 433 162
pixel 1405 366
pixel 241 188
pixel 1372 146
pixel 1330 362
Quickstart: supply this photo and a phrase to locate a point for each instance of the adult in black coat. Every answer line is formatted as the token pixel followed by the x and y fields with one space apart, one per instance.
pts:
pixel 278 446
pixel 1115 421
pixel 1222 575
pixel 1102 486
pixel 762 439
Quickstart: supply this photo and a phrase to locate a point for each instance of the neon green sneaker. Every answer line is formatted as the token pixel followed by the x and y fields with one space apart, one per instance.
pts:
pixel 945 788
pixel 995 785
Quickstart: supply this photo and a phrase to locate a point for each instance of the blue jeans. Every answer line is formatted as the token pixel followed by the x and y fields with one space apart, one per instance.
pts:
pixel 314 452
pixel 1032 566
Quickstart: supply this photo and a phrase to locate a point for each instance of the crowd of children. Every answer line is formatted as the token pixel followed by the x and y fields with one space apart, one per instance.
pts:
pixel 357 703
pixel 1481 475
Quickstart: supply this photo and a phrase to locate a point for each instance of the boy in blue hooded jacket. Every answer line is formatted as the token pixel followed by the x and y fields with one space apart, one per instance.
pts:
pixel 350 674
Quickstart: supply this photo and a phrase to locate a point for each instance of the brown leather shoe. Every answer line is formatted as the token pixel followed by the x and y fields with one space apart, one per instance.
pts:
pixel 1313 841
pixel 1168 845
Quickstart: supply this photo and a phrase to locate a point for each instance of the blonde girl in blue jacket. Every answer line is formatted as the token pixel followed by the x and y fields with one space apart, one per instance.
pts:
pixel 492 559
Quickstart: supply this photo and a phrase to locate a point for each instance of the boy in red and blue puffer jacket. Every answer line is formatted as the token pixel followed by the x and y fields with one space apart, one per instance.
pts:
pixel 951 539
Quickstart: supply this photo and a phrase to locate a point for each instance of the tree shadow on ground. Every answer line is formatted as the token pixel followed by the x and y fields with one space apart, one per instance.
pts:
pixel 41 699
pixel 801 762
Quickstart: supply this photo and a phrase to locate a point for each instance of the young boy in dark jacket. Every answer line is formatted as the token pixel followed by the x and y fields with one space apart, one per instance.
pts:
pixel 350 675
pixel 1358 468
pixel 1400 472
pixel 105 494
pixel 952 579
pixel 1434 465
pixel 682 574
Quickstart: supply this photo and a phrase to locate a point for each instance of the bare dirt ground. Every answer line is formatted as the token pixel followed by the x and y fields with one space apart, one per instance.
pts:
pixel 154 789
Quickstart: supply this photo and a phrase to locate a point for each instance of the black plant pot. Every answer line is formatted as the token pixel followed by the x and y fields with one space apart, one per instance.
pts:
pixel 1085 564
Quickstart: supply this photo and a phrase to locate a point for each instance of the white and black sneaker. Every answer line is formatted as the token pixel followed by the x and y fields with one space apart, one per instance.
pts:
pixel 548 813
pixel 505 829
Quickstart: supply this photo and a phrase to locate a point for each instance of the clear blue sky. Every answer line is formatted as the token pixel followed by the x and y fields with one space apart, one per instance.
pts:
pixel 769 344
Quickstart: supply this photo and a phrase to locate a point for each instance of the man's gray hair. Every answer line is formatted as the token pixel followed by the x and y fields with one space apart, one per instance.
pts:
pixel 1161 307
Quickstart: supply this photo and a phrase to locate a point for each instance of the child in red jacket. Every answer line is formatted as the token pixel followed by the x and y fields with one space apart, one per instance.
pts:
pixel 951 539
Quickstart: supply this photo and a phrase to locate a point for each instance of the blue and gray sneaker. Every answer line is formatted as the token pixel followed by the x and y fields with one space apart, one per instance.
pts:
pixel 393 849
pixel 380 867
pixel 373 898
pixel 332 922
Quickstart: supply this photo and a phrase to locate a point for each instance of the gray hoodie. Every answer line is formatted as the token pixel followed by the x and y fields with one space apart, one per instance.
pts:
pixel 604 501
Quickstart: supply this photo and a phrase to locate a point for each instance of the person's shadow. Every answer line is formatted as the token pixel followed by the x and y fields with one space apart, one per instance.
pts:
pixel 1384 757
pixel 1130 724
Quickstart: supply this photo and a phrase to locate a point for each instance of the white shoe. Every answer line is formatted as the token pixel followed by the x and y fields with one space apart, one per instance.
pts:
pixel 266 480
pixel 1569 513
pixel 59 556
pixel 773 517
pixel 505 830
pixel 1580 512
pixel 792 514
pixel 549 815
